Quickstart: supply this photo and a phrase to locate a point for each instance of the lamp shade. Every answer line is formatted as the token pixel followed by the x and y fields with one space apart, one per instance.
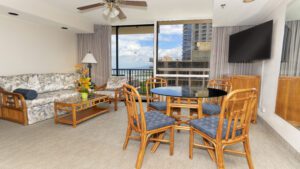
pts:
pixel 89 58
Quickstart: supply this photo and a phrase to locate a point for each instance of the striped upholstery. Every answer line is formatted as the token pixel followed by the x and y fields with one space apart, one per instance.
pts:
pixel 211 109
pixel 209 126
pixel 161 106
pixel 156 120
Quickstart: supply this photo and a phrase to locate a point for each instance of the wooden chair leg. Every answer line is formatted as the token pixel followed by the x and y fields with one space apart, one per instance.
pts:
pixel 172 140
pixel 248 153
pixel 156 145
pixel 128 134
pixel 191 145
pixel 220 156
pixel 210 152
pixel 141 154
pixel 116 104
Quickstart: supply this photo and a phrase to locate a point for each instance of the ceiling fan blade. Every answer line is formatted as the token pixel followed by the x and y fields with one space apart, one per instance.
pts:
pixel 134 3
pixel 121 13
pixel 91 6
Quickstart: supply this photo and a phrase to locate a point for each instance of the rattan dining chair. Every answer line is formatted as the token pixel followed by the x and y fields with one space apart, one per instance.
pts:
pixel 155 102
pixel 212 106
pixel 148 124
pixel 231 127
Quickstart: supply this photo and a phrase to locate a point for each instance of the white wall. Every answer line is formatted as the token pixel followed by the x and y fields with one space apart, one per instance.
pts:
pixel 270 74
pixel 27 47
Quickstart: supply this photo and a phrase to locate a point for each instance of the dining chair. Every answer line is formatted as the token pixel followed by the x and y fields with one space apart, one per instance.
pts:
pixel 212 106
pixel 149 125
pixel 231 127
pixel 155 102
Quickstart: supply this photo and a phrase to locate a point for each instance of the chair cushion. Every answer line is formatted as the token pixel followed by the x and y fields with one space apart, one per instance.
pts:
pixel 109 93
pixel 156 120
pixel 50 97
pixel 115 82
pixel 209 126
pixel 211 109
pixel 161 106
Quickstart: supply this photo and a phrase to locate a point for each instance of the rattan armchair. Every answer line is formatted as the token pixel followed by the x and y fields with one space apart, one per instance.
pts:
pixel 148 125
pixel 231 127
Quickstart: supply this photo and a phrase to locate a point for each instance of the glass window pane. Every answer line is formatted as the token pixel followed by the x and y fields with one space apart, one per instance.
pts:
pixel 183 50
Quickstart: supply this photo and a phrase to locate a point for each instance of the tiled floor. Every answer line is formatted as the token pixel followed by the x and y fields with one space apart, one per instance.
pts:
pixel 97 144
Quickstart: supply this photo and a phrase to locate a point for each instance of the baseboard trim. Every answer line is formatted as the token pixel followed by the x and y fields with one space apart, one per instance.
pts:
pixel 282 140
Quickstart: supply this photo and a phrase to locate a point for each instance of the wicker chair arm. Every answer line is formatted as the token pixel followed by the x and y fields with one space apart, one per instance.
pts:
pixel 13 100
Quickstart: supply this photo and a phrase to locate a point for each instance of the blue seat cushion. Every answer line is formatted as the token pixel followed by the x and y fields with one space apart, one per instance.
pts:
pixel 161 106
pixel 156 120
pixel 211 109
pixel 209 126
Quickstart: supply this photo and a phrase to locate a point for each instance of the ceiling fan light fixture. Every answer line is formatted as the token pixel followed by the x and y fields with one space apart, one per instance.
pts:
pixel 111 12
pixel 114 13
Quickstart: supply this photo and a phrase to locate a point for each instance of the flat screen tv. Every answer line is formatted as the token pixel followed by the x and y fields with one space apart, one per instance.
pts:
pixel 251 44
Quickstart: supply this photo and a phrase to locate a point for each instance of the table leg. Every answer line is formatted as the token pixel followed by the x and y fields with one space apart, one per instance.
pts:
pixel 55 113
pixel 200 112
pixel 168 112
pixel 161 135
pixel 74 117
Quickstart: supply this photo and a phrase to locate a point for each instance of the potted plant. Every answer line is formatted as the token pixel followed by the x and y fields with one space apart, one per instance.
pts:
pixel 84 82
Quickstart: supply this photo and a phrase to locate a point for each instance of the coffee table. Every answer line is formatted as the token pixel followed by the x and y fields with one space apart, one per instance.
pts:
pixel 76 110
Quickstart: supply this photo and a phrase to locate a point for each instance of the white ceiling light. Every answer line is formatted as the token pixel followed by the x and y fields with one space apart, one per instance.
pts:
pixel 111 12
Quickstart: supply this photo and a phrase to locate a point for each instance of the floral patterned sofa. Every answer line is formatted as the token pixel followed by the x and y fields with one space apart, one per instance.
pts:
pixel 50 87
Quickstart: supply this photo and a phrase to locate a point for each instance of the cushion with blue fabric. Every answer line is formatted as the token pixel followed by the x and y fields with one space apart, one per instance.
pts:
pixel 156 120
pixel 27 93
pixel 211 109
pixel 209 126
pixel 161 106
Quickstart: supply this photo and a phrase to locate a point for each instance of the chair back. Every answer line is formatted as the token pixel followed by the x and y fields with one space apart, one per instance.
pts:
pixel 134 106
pixel 154 83
pixel 116 82
pixel 218 84
pixel 237 108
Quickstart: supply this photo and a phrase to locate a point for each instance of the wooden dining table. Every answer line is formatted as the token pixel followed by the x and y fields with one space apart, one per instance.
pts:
pixel 187 97
pixel 184 97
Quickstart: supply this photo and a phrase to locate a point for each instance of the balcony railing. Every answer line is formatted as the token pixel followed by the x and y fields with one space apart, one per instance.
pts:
pixel 135 77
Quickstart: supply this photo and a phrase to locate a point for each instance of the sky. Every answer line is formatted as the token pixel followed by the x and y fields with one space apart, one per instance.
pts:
pixel 136 50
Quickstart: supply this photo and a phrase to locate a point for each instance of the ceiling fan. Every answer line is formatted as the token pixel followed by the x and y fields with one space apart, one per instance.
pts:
pixel 113 7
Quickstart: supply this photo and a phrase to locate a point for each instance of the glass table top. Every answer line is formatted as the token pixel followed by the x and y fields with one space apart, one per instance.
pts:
pixel 188 92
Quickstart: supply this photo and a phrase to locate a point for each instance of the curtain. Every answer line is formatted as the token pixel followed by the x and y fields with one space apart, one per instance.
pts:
pixel 99 44
pixel 290 62
pixel 219 65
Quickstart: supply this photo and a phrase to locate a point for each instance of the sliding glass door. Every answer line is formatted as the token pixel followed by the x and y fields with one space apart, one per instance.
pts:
pixel 132 53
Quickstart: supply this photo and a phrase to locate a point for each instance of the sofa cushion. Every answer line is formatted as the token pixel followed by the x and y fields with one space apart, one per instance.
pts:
pixel 42 83
pixel 50 97
pixel 27 93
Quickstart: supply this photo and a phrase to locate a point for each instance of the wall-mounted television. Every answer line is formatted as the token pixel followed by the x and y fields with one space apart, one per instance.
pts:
pixel 251 44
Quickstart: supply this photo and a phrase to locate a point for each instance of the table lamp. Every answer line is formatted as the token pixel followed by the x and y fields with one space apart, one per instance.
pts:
pixel 89 59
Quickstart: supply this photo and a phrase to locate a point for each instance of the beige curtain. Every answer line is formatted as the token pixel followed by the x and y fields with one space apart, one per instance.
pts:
pixel 290 62
pixel 99 44
pixel 219 65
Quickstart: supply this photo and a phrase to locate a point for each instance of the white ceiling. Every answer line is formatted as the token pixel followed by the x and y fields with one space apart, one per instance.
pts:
pixel 238 13
pixel 64 12
pixel 156 10
pixel 292 12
